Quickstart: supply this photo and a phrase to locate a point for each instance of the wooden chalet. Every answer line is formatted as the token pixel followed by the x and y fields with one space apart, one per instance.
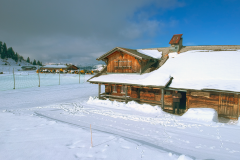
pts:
pixel 53 68
pixel 206 76
pixel 72 67
pixel 57 68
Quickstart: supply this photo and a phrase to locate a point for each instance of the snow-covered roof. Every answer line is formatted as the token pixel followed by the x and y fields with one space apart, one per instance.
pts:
pixel 141 54
pixel 55 66
pixel 194 69
pixel 152 53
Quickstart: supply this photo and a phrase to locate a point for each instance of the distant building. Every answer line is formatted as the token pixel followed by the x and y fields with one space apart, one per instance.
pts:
pixel 57 68
pixel 24 68
pixel 53 68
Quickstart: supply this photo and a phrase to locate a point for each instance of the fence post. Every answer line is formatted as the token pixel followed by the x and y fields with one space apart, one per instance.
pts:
pixel 38 76
pixel 59 76
pixel 79 75
pixel 13 79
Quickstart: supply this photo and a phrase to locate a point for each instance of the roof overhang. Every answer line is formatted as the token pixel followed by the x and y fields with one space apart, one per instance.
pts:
pixel 124 51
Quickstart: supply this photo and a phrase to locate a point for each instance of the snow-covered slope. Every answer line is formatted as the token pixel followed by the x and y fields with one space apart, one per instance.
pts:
pixel 7 65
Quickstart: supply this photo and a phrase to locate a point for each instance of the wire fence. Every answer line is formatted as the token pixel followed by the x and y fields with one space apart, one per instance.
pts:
pixel 28 80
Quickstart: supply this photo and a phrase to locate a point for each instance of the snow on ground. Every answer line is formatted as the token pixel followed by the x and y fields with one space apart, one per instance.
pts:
pixel 31 137
pixel 52 122
pixel 202 114
pixel 28 79
pixel 146 108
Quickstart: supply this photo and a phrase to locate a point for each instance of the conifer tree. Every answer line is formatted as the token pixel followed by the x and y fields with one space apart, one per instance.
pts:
pixel 16 57
pixel 10 53
pixel 28 60
pixel 1 48
pixel 34 62
pixel 4 51
pixel 38 63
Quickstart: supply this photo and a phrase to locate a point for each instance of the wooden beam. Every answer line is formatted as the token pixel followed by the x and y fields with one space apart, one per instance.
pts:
pixel 130 87
pixel 238 105
pixel 169 82
pixel 122 98
pixel 162 98
pixel 99 90
pixel 125 93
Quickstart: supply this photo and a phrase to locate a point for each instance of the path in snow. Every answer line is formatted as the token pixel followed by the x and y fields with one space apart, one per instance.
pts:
pixel 162 131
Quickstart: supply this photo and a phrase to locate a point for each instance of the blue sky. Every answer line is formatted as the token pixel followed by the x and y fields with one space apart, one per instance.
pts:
pixel 79 31
pixel 206 22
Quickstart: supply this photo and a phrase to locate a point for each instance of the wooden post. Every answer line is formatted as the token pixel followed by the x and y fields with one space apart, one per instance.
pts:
pixel 38 76
pixel 238 105
pixel 91 135
pixel 79 75
pixel 59 76
pixel 125 93
pixel 13 79
pixel 219 103
pixel 162 98
pixel 99 90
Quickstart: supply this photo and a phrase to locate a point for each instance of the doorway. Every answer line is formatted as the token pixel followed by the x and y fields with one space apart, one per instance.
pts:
pixel 182 100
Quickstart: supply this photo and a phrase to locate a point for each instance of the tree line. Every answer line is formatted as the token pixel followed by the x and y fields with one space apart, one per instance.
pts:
pixel 9 53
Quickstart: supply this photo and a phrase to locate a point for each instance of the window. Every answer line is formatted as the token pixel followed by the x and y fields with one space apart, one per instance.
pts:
pixel 122 64
pixel 114 89
pixel 123 89
pixel 116 64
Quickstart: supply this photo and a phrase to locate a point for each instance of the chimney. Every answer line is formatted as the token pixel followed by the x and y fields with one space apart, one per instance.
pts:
pixel 176 43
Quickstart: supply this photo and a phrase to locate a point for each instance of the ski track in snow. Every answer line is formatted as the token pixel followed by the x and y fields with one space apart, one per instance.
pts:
pixel 165 131
pixel 160 130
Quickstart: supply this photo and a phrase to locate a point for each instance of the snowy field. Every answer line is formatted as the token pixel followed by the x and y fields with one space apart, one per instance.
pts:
pixel 28 79
pixel 53 122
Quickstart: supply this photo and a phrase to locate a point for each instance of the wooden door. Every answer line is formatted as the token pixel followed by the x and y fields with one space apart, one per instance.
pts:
pixel 227 106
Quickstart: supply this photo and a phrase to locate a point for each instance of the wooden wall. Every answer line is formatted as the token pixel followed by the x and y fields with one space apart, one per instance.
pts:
pixel 227 105
pixel 135 67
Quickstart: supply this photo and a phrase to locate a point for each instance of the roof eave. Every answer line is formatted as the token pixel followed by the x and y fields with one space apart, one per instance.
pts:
pixel 130 84
pixel 115 49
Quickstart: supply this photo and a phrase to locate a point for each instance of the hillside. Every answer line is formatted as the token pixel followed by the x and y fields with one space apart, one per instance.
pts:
pixel 7 65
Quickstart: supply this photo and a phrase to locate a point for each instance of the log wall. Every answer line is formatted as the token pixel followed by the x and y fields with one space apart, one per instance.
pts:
pixel 119 62
pixel 227 105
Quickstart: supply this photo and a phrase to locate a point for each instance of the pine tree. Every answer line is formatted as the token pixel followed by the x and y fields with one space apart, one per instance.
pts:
pixel 34 62
pixel 38 63
pixel 4 51
pixel 10 53
pixel 28 60
pixel 1 48
pixel 16 57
